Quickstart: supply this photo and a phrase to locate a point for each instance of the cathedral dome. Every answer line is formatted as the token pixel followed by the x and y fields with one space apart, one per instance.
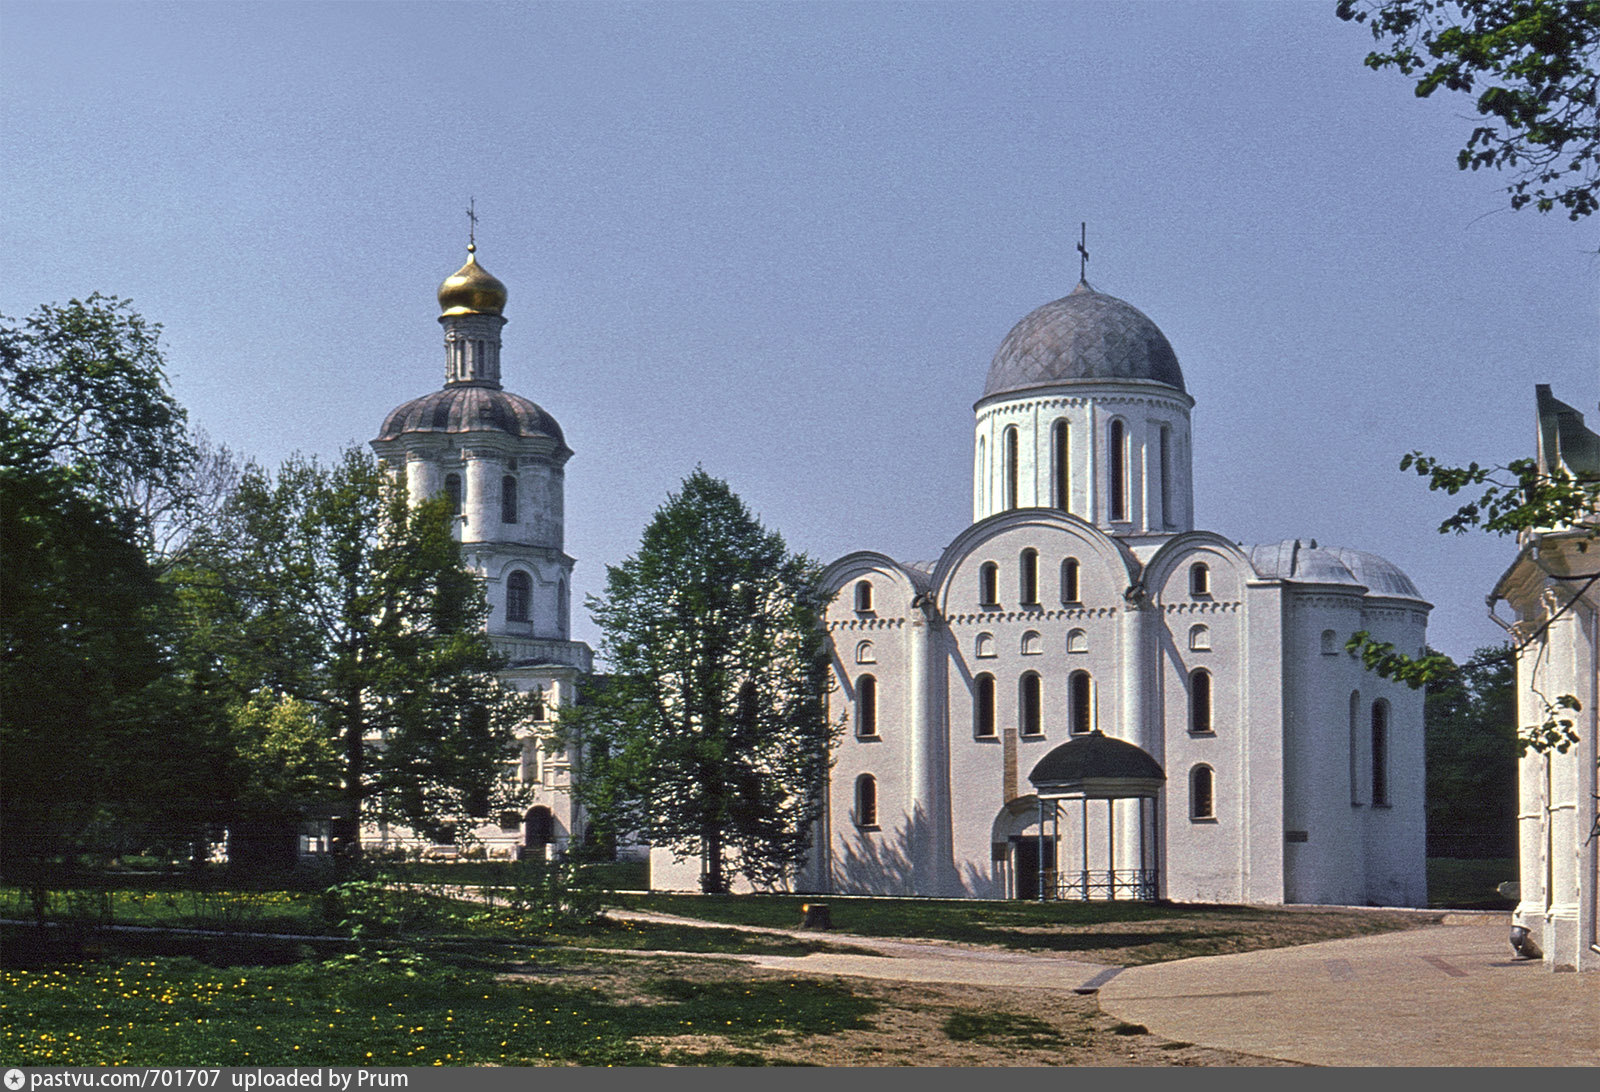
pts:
pixel 472 290
pixel 469 408
pixel 1086 336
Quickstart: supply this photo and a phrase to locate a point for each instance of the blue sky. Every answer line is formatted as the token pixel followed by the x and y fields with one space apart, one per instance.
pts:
pixel 782 241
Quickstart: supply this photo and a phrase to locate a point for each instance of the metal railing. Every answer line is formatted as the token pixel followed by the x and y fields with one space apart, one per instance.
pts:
pixel 1126 884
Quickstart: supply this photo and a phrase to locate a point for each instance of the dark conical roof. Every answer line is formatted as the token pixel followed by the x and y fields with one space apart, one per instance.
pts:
pixel 1094 758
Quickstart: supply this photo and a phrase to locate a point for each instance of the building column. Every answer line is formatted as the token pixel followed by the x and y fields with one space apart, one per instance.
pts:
pixel 1137 701
pixel 1136 675
pixel 932 864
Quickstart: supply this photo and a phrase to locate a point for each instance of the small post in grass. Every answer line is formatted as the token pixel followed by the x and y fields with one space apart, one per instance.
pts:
pixel 814 915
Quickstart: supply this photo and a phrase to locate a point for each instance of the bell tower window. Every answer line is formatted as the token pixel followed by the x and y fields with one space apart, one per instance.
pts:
pixel 519 597
pixel 452 489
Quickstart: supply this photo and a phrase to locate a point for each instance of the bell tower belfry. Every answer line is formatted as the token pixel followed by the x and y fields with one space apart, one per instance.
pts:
pixel 500 459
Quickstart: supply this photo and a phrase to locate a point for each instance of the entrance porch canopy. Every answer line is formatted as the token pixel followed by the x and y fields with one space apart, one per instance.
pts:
pixel 1099 767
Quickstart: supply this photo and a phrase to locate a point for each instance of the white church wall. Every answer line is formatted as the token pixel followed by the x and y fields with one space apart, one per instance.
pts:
pixel 1204 851
pixel 1396 826
pixel 989 773
pixel 870 857
pixel 541 490
pixel 1324 844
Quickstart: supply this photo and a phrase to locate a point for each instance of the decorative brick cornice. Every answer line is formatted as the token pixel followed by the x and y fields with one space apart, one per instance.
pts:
pixel 1202 607
pixel 864 624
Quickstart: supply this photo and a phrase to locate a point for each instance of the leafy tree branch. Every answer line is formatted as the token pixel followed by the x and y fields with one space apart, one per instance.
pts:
pixel 1532 67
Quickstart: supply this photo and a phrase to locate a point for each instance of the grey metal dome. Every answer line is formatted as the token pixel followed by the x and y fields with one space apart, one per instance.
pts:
pixel 1304 562
pixel 463 407
pixel 1085 336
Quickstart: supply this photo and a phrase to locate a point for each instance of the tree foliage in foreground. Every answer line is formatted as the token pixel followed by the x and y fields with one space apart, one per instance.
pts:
pixel 321 589
pixel 710 734
pixel 101 743
pixel 1515 498
pixel 1534 67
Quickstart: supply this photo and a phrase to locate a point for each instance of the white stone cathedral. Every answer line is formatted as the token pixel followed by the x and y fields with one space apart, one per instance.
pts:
pixel 500 458
pixel 1086 697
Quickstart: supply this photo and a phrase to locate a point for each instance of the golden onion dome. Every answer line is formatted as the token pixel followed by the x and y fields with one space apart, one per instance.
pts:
pixel 472 290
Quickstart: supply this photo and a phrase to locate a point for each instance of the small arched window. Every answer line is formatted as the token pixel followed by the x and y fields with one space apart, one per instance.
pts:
pixel 452 489
pixel 1071 592
pixel 1077 641
pixel 1061 463
pixel 1028 583
pixel 863 595
pixel 1330 641
pixel 1199 638
pixel 508 499
pixel 866 801
pixel 563 609
pixel 1032 643
pixel 1118 471
pixel 865 653
pixel 989 584
pixel 1011 483
pixel 519 596
pixel 1029 705
pixel 866 707
pixel 1080 702
pixel 983 720
pixel 1199 579
pixel 1380 754
pixel 1200 701
pixel 1202 793
pixel 983 647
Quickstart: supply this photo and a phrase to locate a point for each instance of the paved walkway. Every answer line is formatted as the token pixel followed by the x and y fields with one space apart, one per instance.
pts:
pixel 1445 995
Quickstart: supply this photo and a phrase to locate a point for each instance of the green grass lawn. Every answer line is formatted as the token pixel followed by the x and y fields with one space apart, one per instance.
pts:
pixel 1123 933
pixel 1463 884
pixel 433 978
pixel 422 1011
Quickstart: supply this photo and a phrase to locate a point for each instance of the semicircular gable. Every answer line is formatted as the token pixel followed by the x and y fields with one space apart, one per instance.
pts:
pixel 864 563
pixel 1054 534
pixel 1225 559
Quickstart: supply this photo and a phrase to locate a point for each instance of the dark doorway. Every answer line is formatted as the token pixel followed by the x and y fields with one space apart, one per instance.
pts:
pixel 538 827
pixel 1025 858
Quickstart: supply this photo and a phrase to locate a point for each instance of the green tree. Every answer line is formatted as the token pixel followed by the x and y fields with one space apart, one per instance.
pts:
pixel 100 744
pixel 83 386
pixel 1470 719
pixel 1532 65
pixel 323 586
pixel 710 735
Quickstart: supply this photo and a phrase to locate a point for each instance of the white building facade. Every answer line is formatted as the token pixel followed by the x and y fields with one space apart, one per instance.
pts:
pixel 500 459
pixel 1553 587
pixel 1082 600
